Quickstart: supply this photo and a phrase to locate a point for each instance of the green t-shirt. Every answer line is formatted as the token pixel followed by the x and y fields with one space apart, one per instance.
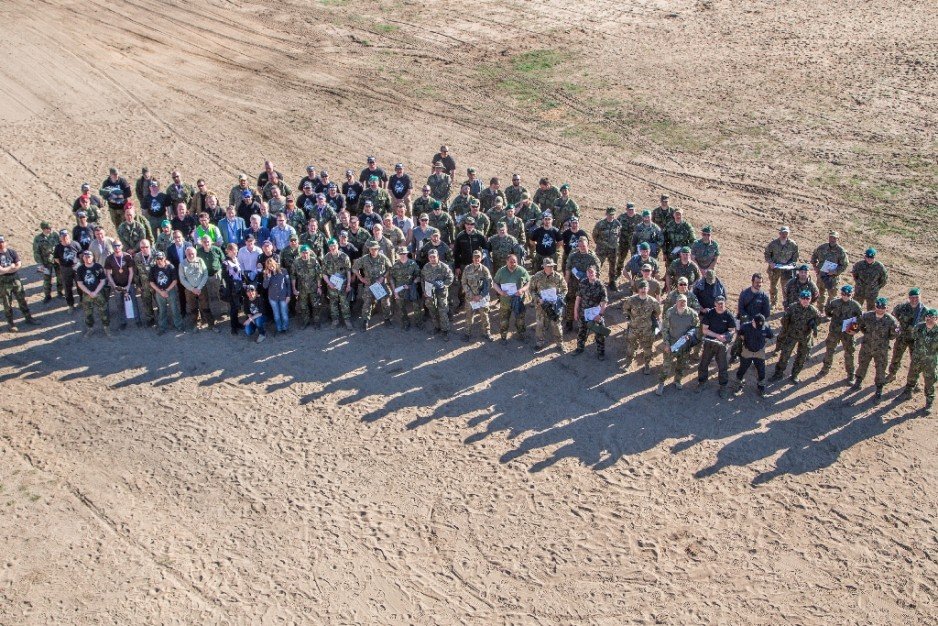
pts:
pixel 519 278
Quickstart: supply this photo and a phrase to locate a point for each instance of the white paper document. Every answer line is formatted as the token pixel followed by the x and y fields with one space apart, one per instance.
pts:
pixel 784 266
pixel 676 251
pixel 591 313
pixel 480 304
pixel 577 273
pixel 428 288
pixel 400 288
pixel 677 345
pixel 829 267
pixel 549 295
pixel 337 280
pixel 510 289
pixel 378 290
pixel 846 324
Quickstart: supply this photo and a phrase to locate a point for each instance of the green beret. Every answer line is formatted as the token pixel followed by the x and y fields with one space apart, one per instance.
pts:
pixel 870 252
pixel 685 250
pixel 707 230
pixel 305 248
pixel 931 313
pixel 881 303
pixel 332 240
pixel 646 213
pixel 565 186
pixel 165 223
pixel 915 291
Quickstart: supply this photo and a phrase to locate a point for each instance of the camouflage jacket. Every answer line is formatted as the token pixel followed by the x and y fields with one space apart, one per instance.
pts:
pixel 338 263
pixel 925 344
pixel 460 205
pixel 662 217
pixel 439 272
pixel 404 273
pixel 641 312
pixel 131 234
pixel 677 270
pixel 678 235
pixel 676 324
pixel 515 227
pixel 781 253
pixel 444 223
pixel 833 253
pixel 380 200
pixel 488 197
pixel 289 256
pixel 476 280
pixel 839 310
pixel 629 224
pixel 606 235
pixel 634 266
pixel 654 286
pixel 541 281
pixel 546 198
pixel 440 187
pixel 800 321
pixel 501 246
pixel 43 247
pixel 142 267
pixel 671 299
pixel 495 216
pixel 869 278
pixel 878 332
pixel 307 274
pixel 513 194
pixel 580 261
pixel 647 233
pixel 794 287
pixel 316 241
pixel 591 293
pixel 704 254
pixel 563 210
pixel 372 268
pixel 908 317
pixel 422 205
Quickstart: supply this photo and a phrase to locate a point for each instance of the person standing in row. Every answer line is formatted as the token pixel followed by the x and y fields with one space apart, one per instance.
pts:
pixel 879 328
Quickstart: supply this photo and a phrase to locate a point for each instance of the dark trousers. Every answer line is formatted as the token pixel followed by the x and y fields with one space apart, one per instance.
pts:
pixel 711 350
pixel 744 364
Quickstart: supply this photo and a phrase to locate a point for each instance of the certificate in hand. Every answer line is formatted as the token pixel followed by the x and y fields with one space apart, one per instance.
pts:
pixel 337 280
pixel 549 295
pixel 510 289
pixel 591 313
pixel 378 290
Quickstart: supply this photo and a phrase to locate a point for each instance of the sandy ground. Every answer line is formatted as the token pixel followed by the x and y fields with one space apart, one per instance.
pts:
pixel 391 478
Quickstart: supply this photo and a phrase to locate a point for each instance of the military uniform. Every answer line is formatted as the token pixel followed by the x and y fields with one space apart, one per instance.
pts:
pixel 648 233
pixel 705 254
pixel 476 281
pixel 539 282
pixel 579 261
pixel 337 263
pixel 131 234
pixel 519 278
pixel 496 215
pixel 437 279
pixel 690 271
pixel 91 277
pixel 515 227
pixel 674 325
pixel 563 210
pixel 380 200
pixel 440 188
pixel 663 216
pixel 443 222
pixel 606 235
pixel 11 287
pixel 316 241
pixel 629 223
pixel 793 289
pixel 500 246
pixel 591 294
pixel 423 205
pixel 483 223
pixel 307 274
pixel 868 279
pixel 677 235
pixel 406 275
pixel 43 249
pixel 373 269
pixel 671 299
pixel 779 253
pixel 545 199
pixel 488 198
pixel 142 267
pixel 514 193
pixel 877 333
pixel 909 317
pixel 829 283
pixel 460 205
pixel 924 361
pixel 643 315
pixel 839 310
pixel 799 327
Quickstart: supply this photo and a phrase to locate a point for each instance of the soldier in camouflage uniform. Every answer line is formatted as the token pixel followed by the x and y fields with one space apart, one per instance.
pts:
pixel 682 267
pixel 515 192
pixel 632 271
pixel 678 233
pixel 437 277
pixel 440 186
pixel 643 314
pixel 827 280
pixel 424 204
pixel 164 238
pixel 869 277
pixel 306 276
pixel 404 277
pixel 924 359
pixel 654 286
pixel 878 328
pixel 780 251
pixel 575 271
pixel 663 214
pixel 678 321
pixel 798 283
pixel 508 305
pixel 491 194
pixel 43 248
pixel 314 238
pixel 476 283
pixel 591 293
pixel 843 308
pixel 629 220
pixel 501 244
pixel 705 252
pixel 370 269
pixel 546 196
pixel 514 224
pixel 441 220
pixel 461 203
pixel 910 315
pixel 11 286
pixel 290 254
pixel 565 208
pixel 483 223
pixel 682 289
pixel 336 262
pixel 799 328
pixel 379 197
pixel 144 260
pixel 543 280
pixel 91 280
pixel 496 213
pixel 131 232
pixel 648 232
pixel 606 235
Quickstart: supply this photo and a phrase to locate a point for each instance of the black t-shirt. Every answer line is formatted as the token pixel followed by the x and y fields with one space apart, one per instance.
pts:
pixel 83 236
pixel 449 163
pixel 67 256
pixel 720 323
pixel 367 173
pixel 8 258
pixel 90 277
pixel 120 269
pixel 185 225
pixel 352 191
pixel 306 203
pixel 399 185
pixel 320 187
pixel 116 193
pixel 368 221
pixel 546 241
pixel 351 250
pixel 253 307
pixel 569 237
pixel 164 276
pixel 337 203
pixel 155 206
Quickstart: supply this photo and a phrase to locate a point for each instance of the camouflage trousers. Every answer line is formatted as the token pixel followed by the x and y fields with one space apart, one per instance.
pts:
pixel 572 290
pixel 674 365
pixel 482 315
pixel 369 304
pixel 584 333
pixel 847 341
pixel 640 340
pixel 542 323
pixel 337 302
pixel 48 273
pixel 879 357
pixel 404 307
pixel 438 306
pixel 117 216
pixel 504 318
pixel 608 257
pixel 11 287
pixel 97 304
pixel 776 277
pixel 825 293
pixel 902 344
pixel 921 367
pixel 147 303
pixel 867 299
pixel 786 346
pixel 308 302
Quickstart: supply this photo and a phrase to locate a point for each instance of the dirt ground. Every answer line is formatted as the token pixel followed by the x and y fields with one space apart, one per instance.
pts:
pixel 391 478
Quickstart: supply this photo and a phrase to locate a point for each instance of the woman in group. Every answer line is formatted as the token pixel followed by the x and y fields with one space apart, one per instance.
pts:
pixel 277 284
pixel 233 280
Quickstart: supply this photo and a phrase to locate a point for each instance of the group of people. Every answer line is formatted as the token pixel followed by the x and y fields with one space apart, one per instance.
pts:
pixel 329 251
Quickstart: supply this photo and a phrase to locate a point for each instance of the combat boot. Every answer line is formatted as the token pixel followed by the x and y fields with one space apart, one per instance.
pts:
pixel 825 370
pixel 761 389
pixel 723 392
pixel 905 395
pixel 879 393
pixel 776 376
pixel 891 378
pixel 646 369
pixel 928 404
pixel 857 384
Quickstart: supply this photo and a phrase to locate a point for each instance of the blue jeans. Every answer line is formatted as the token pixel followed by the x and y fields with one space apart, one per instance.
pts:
pixel 257 324
pixel 281 314
pixel 166 307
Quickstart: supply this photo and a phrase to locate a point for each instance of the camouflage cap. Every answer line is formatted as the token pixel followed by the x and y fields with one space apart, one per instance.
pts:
pixel 373 245
pixel 63 233
pixel 833 233
pixel 915 291
pixel 681 298
pixel 525 196
pixel 881 303
pixel 548 262
pixel 710 276
pixel 642 284
pixel 292 238
pixel 477 253
pixel 707 230
pixel 682 280
pixel 242 176
pixel 470 170
pixel 159 254
pixel 584 239
pixel 784 229
pixel 470 220
pixel 437 164
pixel 403 250
pixel 646 267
